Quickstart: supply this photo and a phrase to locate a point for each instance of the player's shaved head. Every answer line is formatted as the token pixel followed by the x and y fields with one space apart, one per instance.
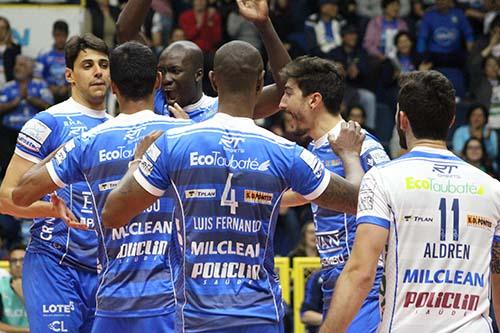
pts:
pixel 237 68
pixel 186 49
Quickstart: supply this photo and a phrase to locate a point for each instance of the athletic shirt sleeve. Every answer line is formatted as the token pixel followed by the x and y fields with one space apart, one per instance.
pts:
pixel 152 172
pixel 308 175
pixel 372 155
pixel 65 167
pixel 37 138
pixel 373 206
pixel 496 235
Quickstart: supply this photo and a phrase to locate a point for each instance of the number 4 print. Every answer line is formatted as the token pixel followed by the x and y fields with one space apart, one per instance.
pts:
pixel 229 195
pixel 454 208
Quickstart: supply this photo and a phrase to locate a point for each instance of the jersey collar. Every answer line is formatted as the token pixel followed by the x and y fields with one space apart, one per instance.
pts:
pixel 438 151
pixel 227 119
pixel 88 111
pixel 324 139
pixel 204 101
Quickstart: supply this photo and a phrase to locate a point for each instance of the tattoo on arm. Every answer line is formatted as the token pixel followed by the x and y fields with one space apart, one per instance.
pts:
pixel 495 258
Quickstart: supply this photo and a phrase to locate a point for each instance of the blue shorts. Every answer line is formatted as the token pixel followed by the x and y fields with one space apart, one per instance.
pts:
pixel 58 298
pixel 163 323
pixel 262 328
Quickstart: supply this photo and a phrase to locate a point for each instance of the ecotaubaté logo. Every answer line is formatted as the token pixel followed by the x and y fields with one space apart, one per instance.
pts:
pixel 450 186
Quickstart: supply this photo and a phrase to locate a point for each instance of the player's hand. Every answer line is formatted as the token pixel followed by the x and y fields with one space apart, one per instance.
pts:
pixel 255 11
pixel 349 140
pixel 177 111
pixel 64 213
pixel 145 143
pixel 17 285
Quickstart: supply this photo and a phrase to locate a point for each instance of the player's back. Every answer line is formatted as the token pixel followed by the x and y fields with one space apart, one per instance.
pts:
pixel 229 175
pixel 444 216
pixel 135 279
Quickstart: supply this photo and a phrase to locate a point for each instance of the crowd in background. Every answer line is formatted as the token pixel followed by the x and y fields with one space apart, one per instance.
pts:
pixel 372 40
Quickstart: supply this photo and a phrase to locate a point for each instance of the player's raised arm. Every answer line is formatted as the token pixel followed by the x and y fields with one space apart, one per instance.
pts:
pixel 342 194
pixel 131 18
pixel 257 11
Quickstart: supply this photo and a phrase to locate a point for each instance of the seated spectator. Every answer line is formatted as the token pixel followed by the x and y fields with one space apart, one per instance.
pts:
pixel 100 20
pixel 238 28
pixel 13 314
pixel 474 152
pixel 52 65
pixel 484 47
pixel 357 113
pixel 323 29
pixel 441 37
pixel 379 36
pixel 307 243
pixel 487 90
pixel 311 310
pixel 202 25
pixel 477 119
pixel 20 100
pixel 177 34
pixel 8 52
pixel 355 63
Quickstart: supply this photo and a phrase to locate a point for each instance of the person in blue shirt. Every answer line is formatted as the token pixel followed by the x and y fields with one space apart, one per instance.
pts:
pixel 311 309
pixel 310 80
pixel 52 65
pixel 136 289
pixel 229 176
pixel 181 64
pixel 60 279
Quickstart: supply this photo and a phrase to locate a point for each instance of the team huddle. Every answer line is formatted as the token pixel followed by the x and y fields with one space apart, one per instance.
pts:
pixel 150 222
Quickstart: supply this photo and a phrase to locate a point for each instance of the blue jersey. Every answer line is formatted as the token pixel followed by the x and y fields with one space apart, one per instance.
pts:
pixel 51 66
pixel 335 231
pixel 229 176
pixel 135 280
pixel 38 138
pixel 444 32
pixel 24 111
pixel 202 110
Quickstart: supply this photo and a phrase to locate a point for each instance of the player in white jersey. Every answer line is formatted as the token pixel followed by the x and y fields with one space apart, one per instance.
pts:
pixel 437 218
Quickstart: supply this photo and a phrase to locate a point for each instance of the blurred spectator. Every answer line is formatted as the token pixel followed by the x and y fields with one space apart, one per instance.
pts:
pixel 20 100
pixel 8 52
pixel 323 29
pixel 492 11
pixel 307 243
pixel 100 19
pixel 280 12
pixel 287 231
pixel 379 37
pixel 202 25
pixel 311 310
pixel 355 63
pixel 358 113
pixel 177 34
pixel 487 89
pixel 488 45
pixel 52 64
pixel 13 314
pixel 163 22
pixel 475 11
pixel 442 33
pixel 238 28
pixel 477 119
pixel 474 152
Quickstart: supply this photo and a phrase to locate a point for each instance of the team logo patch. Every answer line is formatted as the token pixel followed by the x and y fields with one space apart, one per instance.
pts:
pixel 258 197
pixel 153 152
pixel 108 185
pixel 312 162
pixel 479 222
pixel 200 193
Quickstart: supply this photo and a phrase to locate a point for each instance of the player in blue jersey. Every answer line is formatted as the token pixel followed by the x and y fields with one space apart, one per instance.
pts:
pixel 181 64
pixel 52 65
pixel 135 291
pixel 60 267
pixel 229 175
pixel 437 220
pixel 308 79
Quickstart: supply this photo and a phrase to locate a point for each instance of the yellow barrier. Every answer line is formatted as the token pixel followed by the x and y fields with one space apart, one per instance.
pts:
pixel 302 269
pixel 4 264
pixel 282 267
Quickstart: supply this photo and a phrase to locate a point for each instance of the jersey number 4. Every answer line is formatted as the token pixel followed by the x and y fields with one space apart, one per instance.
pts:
pixel 229 195
pixel 455 210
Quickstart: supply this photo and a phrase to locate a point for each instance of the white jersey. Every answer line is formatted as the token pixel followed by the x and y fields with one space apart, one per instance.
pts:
pixel 443 215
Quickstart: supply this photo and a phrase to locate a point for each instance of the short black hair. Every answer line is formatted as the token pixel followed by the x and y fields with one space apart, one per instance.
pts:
pixel 133 69
pixel 428 99
pixel 17 246
pixel 76 44
pixel 386 3
pixel 314 74
pixel 60 25
pixel 475 106
pixel 356 106
pixel 403 33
